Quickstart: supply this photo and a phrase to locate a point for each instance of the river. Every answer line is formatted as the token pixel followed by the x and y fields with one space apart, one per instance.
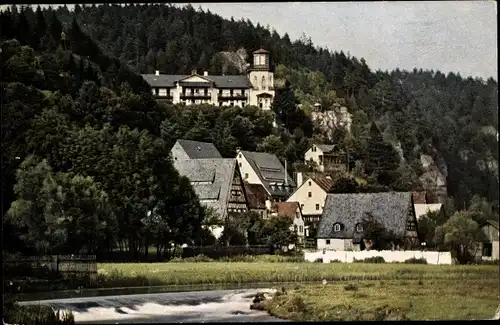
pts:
pixel 169 307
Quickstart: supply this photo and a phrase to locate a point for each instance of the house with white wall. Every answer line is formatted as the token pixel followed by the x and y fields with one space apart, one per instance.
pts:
pixel 341 225
pixel 311 196
pixel 290 210
pixel 255 88
pixel 327 157
pixel 266 169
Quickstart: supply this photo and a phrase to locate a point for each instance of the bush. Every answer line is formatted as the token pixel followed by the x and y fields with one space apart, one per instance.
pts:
pixel 351 287
pixel 38 314
pixel 372 260
pixel 414 260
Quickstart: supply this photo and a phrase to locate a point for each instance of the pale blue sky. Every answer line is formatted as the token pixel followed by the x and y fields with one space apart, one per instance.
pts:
pixel 458 36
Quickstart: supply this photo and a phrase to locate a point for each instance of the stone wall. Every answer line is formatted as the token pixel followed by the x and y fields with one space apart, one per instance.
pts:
pixel 389 256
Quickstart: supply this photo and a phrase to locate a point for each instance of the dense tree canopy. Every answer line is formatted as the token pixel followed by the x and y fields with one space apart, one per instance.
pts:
pixel 73 98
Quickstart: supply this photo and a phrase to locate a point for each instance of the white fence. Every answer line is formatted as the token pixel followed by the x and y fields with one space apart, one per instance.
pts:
pixel 389 256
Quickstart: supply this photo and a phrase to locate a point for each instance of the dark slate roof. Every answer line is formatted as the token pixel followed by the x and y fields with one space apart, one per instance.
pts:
pixel 165 80
pixel 256 196
pixel 211 180
pixel 494 223
pixel 199 150
pixel 389 208
pixel 270 171
pixel 260 51
pixel 326 148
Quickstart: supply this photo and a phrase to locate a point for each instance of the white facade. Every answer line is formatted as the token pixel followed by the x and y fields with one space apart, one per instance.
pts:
pixel 256 88
pixel 310 196
pixel 248 174
pixel 313 154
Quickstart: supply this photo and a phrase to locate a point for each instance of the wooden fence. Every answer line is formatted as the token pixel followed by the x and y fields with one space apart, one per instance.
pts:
pixel 77 271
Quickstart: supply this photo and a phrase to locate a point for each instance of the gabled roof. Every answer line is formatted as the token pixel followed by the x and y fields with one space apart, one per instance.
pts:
pixel 324 182
pixel 419 197
pixel 423 209
pixel 327 148
pixel 256 196
pixel 199 150
pixel 270 172
pixel 493 223
pixel 166 80
pixel 389 208
pixel 211 180
pixel 260 51
pixel 286 209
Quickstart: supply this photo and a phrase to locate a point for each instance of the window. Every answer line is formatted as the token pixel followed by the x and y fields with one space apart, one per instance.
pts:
pixel 317 206
pixel 263 82
pixel 239 165
pixel 196 91
pixel 260 105
pixel 220 103
pixel 295 228
pixel 255 81
pixel 270 81
pixel 328 241
pixel 310 183
pixel 243 103
pixel 487 249
pixel 336 227
pixel 359 227
pixel 301 229
pixel 302 206
pixel 246 175
pixel 309 194
pixel 313 149
pixel 231 104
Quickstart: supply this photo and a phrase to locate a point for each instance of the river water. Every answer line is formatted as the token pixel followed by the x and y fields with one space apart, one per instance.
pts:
pixel 175 307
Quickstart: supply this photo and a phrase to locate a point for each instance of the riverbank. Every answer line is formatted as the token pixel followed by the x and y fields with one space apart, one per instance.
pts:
pixel 388 300
pixel 188 273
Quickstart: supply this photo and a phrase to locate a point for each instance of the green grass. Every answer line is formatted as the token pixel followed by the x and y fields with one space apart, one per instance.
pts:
pixel 389 300
pixel 191 273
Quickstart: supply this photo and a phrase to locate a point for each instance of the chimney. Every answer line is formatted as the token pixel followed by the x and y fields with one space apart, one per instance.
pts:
pixel 286 178
pixel 193 71
pixel 205 73
pixel 157 72
pixel 238 149
pixel 268 204
pixel 299 178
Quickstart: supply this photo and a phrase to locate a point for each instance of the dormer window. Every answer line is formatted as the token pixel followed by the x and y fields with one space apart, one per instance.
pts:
pixel 337 227
pixel 359 227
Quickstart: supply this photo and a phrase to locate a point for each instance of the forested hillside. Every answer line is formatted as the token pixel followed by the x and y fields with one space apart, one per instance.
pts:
pixel 445 115
pixel 81 125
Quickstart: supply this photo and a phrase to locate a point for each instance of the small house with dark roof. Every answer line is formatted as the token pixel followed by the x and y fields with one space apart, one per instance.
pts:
pixel 490 248
pixel 188 149
pixel 341 224
pixel 255 88
pixel 218 184
pixel 266 169
pixel 257 197
pixel 327 157
pixel 290 210
pixel 311 195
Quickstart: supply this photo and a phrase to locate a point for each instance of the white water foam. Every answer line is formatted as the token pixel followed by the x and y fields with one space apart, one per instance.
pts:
pixel 233 305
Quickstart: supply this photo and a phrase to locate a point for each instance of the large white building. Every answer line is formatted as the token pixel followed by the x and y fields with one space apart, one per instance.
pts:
pixel 256 88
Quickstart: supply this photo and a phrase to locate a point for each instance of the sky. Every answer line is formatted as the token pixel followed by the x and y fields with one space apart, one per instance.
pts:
pixel 450 36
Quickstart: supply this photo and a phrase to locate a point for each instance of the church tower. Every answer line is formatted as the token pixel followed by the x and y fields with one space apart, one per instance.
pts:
pixel 262 80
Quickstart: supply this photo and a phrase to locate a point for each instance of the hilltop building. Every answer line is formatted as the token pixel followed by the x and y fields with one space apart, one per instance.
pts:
pixel 255 88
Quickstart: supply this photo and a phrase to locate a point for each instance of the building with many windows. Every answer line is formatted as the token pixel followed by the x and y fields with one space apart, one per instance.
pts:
pixel 256 88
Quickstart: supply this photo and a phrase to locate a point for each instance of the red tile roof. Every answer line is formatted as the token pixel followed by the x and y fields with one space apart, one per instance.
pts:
pixel 419 197
pixel 324 182
pixel 286 209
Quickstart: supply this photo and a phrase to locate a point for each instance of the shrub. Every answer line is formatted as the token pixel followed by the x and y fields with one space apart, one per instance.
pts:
pixel 351 287
pixel 372 260
pixel 318 260
pixel 414 260
pixel 38 314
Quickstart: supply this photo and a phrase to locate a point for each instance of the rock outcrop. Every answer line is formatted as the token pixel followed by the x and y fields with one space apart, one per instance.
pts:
pixel 327 121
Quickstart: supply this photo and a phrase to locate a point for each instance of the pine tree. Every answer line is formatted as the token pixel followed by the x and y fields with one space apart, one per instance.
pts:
pixel 41 26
